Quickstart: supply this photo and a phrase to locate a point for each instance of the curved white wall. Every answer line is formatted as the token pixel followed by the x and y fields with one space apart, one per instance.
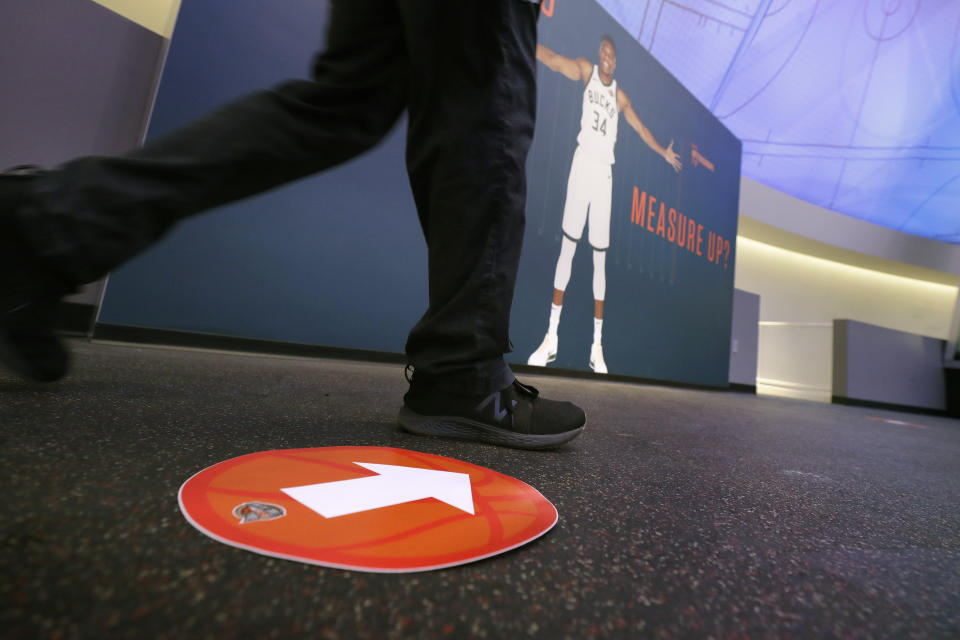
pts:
pixel 802 293
pixel 760 202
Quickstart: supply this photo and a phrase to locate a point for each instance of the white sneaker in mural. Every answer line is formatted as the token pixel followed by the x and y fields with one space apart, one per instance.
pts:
pixel 546 352
pixel 596 358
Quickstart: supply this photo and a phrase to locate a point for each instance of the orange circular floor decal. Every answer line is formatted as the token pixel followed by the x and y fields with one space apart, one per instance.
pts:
pixel 365 508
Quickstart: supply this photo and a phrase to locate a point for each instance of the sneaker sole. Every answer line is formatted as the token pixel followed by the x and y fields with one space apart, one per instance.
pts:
pixel 466 429
pixel 550 358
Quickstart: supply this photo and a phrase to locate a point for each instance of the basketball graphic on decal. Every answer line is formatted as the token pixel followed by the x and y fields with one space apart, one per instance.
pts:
pixel 409 535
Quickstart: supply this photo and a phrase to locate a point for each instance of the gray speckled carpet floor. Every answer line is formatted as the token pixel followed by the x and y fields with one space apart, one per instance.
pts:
pixel 682 513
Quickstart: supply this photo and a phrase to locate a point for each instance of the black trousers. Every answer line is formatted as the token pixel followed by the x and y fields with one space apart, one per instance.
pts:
pixel 464 70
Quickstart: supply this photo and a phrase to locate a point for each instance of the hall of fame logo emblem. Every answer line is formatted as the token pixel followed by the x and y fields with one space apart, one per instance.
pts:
pixel 258 511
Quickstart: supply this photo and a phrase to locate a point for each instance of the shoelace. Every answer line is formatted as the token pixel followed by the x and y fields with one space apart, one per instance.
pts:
pixel 529 389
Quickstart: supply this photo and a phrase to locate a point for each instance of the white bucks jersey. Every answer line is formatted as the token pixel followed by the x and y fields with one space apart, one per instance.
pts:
pixel 598 124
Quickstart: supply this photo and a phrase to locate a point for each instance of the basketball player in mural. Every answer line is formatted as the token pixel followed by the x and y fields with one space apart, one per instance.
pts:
pixel 590 184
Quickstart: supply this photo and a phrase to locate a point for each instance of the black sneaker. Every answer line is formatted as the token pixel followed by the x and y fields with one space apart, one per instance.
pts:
pixel 29 296
pixel 513 417
pixel 28 344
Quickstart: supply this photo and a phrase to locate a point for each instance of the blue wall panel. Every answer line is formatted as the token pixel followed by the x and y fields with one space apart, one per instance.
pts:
pixel 338 259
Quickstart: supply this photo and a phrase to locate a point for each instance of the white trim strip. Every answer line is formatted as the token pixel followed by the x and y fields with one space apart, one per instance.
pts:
pixel 767 323
pixel 787 384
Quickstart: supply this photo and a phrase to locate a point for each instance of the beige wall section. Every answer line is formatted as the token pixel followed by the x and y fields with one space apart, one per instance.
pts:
pixel 801 295
pixel 797 287
pixel 158 16
pixel 810 266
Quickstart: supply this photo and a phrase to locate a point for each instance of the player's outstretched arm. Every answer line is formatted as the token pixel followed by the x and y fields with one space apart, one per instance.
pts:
pixel 571 68
pixel 668 154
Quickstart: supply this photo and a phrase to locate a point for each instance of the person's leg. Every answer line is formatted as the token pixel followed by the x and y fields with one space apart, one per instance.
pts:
pixel 472 102
pixel 575 210
pixel 597 362
pixel 561 278
pixel 91 214
pixel 546 352
pixel 73 224
pixel 599 235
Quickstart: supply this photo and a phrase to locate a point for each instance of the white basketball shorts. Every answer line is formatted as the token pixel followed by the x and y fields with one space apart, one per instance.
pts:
pixel 589 190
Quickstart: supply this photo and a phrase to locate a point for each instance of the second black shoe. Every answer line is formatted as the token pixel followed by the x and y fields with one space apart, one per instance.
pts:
pixel 29 296
pixel 513 417
pixel 28 344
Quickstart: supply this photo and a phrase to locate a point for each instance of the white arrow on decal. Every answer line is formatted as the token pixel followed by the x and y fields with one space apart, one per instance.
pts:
pixel 394 485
